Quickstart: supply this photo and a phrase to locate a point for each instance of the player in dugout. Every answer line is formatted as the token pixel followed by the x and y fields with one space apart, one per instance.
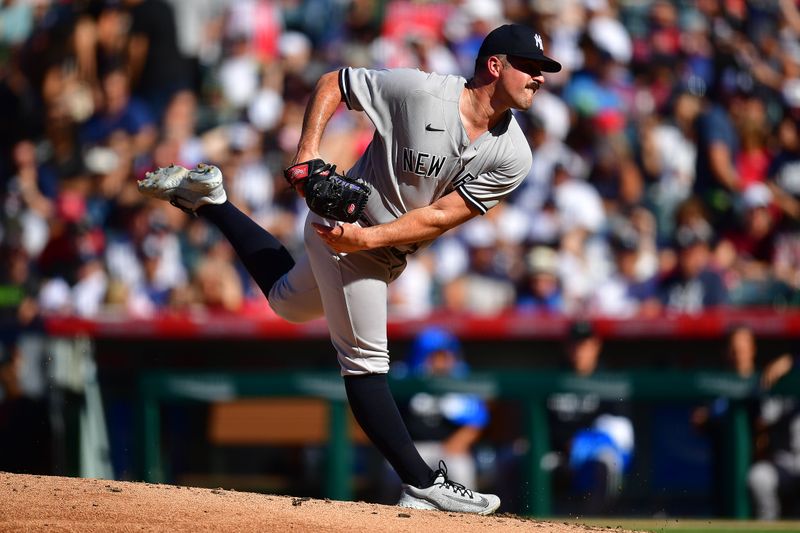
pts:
pixel 445 149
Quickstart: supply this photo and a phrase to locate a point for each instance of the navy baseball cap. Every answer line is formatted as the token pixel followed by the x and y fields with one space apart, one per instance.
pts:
pixel 518 41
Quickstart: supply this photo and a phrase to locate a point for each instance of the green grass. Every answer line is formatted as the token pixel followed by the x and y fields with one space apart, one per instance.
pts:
pixel 676 525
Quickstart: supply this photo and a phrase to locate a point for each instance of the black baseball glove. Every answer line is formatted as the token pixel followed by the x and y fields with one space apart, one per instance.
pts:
pixel 329 194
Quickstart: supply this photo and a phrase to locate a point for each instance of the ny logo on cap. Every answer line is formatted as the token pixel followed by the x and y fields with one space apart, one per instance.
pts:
pixel 538 39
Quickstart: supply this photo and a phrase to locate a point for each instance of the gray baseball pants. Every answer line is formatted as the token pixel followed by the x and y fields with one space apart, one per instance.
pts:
pixel 350 290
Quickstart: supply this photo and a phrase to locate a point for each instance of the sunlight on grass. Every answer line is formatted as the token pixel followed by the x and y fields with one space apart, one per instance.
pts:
pixel 677 525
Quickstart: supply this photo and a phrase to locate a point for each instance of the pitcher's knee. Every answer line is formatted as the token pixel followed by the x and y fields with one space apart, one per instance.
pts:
pixel 292 313
pixel 295 296
pixel 359 365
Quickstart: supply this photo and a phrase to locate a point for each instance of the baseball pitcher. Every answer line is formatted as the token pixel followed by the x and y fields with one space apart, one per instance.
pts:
pixel 445 149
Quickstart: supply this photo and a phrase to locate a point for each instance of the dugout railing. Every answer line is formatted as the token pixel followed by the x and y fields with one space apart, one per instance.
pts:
pixel 531 388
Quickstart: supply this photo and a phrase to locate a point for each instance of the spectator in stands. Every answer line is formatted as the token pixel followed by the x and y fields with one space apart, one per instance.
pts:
pixel 548 151
pixel 668 155
pixel 428 53
pixel 251 183
pixel 581 218
pixel 542 290
pixel 754 157
pixel 239 74
pixel 145 255
pixel 30 196
pixel 784 182
pixel 157 68
pixel 16 23
pixel 591 91
pixel 18 287
pixel 199 25
pixel 717 180
pixel 626 292
pixel 467 25
pixel 746 252
pixel 179 126
pixel 693 285
pixel 105 50
pixel 614 173
pixel 783 176
pixel 119 111
pixel 592 437
pixel 485 288
pixel 411 296
pixel 218 285
pixel 74 279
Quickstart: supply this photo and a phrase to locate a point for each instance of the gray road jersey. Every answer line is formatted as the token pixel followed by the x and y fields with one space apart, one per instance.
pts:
pixel 421 151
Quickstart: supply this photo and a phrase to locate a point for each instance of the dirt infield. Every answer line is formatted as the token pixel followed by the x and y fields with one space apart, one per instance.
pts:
pixel 56 504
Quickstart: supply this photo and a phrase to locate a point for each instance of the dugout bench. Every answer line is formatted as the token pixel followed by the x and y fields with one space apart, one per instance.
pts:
pixel 529 387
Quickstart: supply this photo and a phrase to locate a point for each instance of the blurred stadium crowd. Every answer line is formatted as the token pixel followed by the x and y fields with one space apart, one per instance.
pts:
pixel 666 172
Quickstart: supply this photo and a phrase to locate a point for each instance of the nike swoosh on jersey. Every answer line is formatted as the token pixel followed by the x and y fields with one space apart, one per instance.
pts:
pixel 483 501
pixel 428 127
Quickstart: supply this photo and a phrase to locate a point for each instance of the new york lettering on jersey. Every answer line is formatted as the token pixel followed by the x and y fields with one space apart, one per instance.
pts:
pixel 422 163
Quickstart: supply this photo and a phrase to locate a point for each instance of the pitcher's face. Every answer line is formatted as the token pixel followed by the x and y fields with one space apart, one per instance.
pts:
pixel 519 80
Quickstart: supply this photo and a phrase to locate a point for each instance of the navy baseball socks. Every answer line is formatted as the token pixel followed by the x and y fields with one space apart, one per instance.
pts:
pixel 375 410
pixel 199 191
pixel 264 257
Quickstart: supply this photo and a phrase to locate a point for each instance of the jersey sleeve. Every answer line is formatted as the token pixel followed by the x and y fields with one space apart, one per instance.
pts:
pixel 378 93
pixel 485 190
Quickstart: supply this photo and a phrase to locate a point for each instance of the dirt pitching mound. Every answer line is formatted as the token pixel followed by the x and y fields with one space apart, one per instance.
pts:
pixel 55 504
